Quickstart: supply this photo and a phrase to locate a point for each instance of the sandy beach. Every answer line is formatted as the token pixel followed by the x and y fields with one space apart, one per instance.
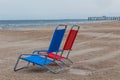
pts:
pixel 96 53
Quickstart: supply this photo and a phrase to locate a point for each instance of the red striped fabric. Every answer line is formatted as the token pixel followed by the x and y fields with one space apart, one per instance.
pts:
pixel 70 40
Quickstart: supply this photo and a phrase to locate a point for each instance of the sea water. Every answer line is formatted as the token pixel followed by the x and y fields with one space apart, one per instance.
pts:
pixel 17 24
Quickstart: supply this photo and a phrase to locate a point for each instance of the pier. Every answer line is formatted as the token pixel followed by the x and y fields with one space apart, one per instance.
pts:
pixel 104 18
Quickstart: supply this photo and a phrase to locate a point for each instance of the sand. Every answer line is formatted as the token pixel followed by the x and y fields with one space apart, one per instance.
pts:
pixel 96 53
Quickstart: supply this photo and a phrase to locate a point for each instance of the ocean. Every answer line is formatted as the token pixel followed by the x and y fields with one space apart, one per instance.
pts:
pixel 18 24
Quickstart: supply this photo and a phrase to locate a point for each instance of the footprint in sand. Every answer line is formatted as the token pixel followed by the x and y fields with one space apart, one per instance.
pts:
pixel 105 57
pixel 80 72
pixel 101 35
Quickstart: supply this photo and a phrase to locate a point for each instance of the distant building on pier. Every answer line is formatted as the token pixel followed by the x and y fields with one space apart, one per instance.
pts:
pixel 104 18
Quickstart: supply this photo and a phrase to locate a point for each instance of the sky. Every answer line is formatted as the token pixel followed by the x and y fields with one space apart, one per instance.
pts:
pixel 57 9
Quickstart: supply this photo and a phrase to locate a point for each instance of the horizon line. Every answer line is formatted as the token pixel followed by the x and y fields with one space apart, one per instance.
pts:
pixel 42 19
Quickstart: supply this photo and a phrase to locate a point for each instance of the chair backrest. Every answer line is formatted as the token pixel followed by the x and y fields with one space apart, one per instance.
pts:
pixel 71 38
pixel 57 39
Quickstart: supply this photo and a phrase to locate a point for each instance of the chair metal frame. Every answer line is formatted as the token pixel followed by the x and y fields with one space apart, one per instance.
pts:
pixel 45 56
pixel 69 49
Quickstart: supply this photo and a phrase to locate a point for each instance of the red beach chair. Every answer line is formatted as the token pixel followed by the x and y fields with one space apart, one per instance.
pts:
pixel 67 46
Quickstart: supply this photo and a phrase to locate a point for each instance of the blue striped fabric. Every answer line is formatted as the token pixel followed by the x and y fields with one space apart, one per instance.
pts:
pixel 56 40
pixel 36 59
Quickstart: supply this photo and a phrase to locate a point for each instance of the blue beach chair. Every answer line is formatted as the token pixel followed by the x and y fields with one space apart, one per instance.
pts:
pixel 67 48
pixel 42 59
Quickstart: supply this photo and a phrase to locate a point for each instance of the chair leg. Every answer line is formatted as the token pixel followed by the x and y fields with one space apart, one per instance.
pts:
pixel 70 60
pixel 16 65
pixel 68 56
pixel 64 63
pixel 54 71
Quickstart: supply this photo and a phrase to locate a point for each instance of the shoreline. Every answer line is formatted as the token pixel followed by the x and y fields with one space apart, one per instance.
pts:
pixel 20 24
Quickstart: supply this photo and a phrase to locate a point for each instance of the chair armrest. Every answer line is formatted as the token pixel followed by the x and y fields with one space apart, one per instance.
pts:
pixel 43 53
pixel 38 51
pixel 26 55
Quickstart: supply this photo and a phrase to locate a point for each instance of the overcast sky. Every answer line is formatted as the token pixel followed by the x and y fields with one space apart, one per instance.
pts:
pixel 57 9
